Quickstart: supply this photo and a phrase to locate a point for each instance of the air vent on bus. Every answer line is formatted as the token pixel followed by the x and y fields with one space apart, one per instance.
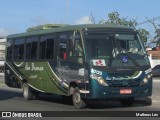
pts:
pixel 43 27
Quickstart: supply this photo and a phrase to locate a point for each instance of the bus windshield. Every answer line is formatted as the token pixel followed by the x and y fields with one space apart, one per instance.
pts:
pixel 116 49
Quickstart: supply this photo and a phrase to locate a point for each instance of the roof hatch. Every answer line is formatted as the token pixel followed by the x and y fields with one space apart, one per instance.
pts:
pixel 44 27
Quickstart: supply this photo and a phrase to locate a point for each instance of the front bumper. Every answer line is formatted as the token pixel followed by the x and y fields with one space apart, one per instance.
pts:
pixel 100 92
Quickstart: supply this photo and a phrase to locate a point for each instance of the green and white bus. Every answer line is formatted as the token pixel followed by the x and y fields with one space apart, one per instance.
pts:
pixel 83 61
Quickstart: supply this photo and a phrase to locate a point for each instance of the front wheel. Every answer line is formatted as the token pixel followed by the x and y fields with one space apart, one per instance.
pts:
pixel 127 102
pixel 77 100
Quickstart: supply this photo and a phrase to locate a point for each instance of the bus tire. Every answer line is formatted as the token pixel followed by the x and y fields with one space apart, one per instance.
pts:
pixel 77 100
pixel 35 96
pixel 27 94
pixel 127 102
pixel 149 101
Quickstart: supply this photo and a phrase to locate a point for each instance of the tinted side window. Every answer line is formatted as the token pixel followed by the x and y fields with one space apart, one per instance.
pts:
pixel 42 48
pixel 34 49
pixel 21 50
pixel 18 53
pixel 31 48
pixel 9 49
pixel 28 49
pixel 46 47
pixel 50 49
pixel 15 53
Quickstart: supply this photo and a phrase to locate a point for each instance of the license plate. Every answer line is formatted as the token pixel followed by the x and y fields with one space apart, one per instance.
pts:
pixel 125 91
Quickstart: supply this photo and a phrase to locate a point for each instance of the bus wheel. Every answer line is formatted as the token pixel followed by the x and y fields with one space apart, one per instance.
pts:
pixel 35 96
pixel 127 102
pixel 77 100
pixel 27 94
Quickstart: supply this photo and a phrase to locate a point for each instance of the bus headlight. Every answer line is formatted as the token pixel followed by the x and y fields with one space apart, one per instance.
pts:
pixel 146 79
pixel 100 80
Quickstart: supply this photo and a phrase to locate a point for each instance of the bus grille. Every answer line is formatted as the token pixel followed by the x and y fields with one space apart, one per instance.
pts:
pixel 123 83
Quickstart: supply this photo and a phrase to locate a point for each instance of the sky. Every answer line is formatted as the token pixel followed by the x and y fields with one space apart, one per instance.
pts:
pixel 18 15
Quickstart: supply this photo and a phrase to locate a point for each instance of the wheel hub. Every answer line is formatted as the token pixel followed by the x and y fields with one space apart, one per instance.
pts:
pixel 77 98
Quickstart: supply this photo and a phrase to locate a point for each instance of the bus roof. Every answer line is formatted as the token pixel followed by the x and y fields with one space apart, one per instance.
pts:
pixel 68 28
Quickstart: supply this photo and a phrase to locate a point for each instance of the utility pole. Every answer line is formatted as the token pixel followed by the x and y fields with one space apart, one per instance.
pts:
pixel 67 8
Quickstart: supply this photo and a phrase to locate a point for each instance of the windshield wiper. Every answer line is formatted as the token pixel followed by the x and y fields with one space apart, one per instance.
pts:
pixel 133 60
pixel 130 57
pixel 110 61
pixel 125 52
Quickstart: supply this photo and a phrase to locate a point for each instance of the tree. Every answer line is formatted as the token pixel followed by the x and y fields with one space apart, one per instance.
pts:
pixel 155 26
pixel 114 18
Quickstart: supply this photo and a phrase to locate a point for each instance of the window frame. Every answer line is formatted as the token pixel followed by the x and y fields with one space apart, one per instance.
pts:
pixel 13 48
pixel 30 38
pixel 75 58
pixel 46 36
pixel 8 55
pixel 59 40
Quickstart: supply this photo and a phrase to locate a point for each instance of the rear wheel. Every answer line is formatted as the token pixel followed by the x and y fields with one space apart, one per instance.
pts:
pixel 27 94
pixel 127 102
pixel 77 100
pixel 35 95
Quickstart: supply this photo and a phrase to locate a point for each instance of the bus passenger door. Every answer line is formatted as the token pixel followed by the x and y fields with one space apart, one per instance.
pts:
pixel 62 62
pixel 77 72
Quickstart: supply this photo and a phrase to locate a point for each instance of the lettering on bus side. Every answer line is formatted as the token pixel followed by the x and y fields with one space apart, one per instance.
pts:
pixel 93 71
pixel 33 67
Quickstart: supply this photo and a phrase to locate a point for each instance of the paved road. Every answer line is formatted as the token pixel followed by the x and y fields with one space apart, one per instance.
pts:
pixel 13 97
pixel 11 100
pixel 156 88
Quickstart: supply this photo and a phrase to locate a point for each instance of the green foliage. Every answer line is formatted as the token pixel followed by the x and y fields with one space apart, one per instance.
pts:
pixel 144 34
pixel 115 18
